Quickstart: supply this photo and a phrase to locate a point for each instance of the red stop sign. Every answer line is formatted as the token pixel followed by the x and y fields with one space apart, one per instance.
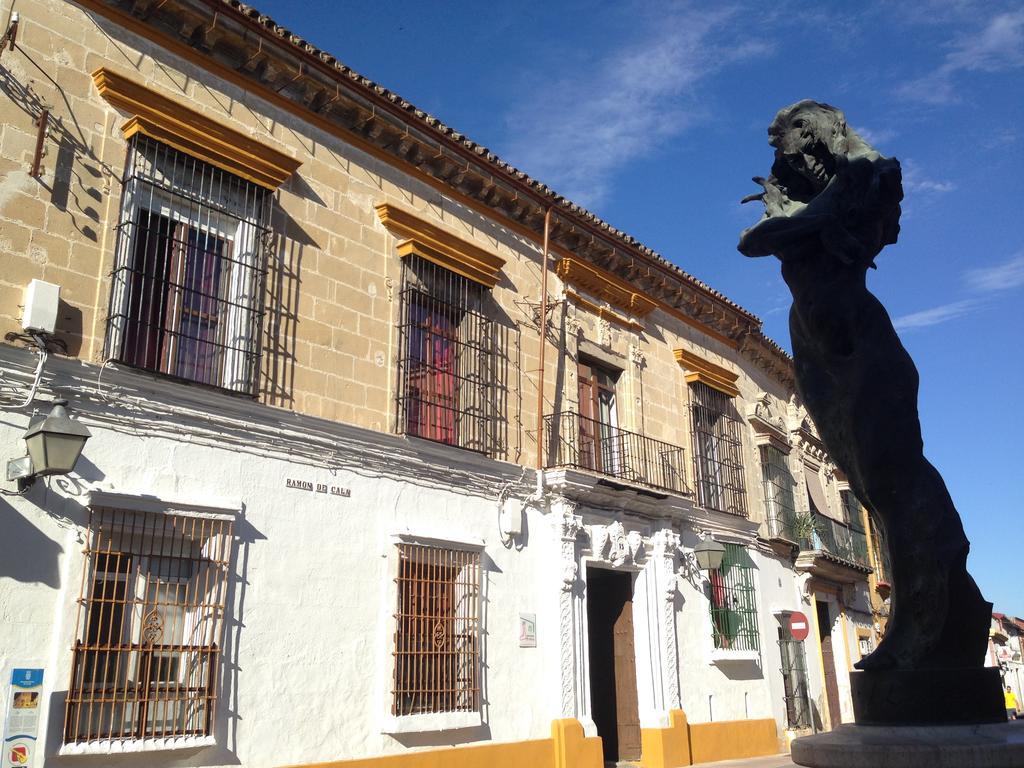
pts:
pixel 799 626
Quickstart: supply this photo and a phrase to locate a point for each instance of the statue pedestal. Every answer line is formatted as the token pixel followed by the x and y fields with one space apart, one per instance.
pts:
pixel 992 745
pixel 928 697
pixel 932 718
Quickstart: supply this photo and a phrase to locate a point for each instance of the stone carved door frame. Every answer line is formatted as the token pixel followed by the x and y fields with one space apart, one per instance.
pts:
pixel 654 560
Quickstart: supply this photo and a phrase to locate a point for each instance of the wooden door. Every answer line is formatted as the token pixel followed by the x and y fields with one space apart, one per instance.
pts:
pixel 828 662
pixel 588 418
pixel 627 707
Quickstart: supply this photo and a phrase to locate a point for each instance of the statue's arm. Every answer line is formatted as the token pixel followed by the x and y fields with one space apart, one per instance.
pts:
pixel 774 235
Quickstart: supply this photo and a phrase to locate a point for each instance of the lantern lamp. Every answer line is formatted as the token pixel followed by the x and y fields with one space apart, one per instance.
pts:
pixel 709 553
pixel 54 444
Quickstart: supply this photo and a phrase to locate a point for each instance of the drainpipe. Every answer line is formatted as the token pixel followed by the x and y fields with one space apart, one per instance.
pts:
pixel 543 346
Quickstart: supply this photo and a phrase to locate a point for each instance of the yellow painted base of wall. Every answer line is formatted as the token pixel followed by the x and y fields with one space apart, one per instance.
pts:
pixel 684 744
pixel 568 747
pixel 733 739
pixel 666 747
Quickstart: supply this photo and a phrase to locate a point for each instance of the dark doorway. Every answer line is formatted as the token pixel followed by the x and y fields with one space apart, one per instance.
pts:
pixel 828 662
pixel 613 695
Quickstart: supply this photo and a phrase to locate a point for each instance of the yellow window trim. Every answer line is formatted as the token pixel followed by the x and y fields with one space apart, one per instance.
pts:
pixel 165 120
pixel 603 312
pixel 606 286
pixel 715 376
pixel 440 246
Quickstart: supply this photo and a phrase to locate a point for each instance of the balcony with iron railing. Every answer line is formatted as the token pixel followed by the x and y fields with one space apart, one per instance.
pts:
pixel 835 538
pixel 577 442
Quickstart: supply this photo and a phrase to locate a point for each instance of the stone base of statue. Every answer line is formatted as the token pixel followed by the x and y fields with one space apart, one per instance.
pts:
pixel 928 697
pixel 991 745
pixel 948 718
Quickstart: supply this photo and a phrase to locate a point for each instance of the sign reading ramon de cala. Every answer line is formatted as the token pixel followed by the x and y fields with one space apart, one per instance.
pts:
pixel 306 485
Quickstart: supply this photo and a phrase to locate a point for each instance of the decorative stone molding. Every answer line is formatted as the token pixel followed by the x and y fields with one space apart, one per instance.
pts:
pixel 572 326
pixel 612 544
pixel 769 425
pixel 604 332
pixel 436 244
pixel 569 526
pixel 706 372
pixel 665 544
pixel 193 133
pixel 635 544
pixel 637 356
pixel 804 587
pixel 603 313
pixel 605 286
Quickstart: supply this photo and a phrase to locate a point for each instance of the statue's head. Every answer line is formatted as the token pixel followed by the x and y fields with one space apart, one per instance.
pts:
pixel 808 137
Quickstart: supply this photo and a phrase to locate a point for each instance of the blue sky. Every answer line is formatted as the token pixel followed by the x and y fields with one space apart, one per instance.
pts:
pixel 654 115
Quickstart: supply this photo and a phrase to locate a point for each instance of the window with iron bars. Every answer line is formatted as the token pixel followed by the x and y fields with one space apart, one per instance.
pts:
pixel 733 601
pixel 858 536
pixel 794 680
pixel 437 631
pixel 450 369
pixel 149 624
pixel 777 482
pixel 717 434
pixel 190 269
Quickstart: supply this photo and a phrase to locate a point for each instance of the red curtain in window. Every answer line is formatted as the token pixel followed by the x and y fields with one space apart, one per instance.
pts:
pixel 433 394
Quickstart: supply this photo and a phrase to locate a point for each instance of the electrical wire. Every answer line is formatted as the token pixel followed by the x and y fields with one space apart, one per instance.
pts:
pixel 42 354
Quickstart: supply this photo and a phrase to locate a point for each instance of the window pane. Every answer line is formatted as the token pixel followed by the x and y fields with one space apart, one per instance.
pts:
pixel 190 270
pixel 437 631
pixel 150 627
pixel 732 599
pixel 717 437
pixel 451 369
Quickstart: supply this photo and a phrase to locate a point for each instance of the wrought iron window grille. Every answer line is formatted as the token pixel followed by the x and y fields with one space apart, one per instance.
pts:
pixel 733 601
pixel 189 278
pixel 437 631
pixel 146 661
pixel 796 694
pixel 452 366
pixel 778 484
pixel 716 430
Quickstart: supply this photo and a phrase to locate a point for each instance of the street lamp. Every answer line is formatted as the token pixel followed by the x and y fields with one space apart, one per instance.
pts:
pixel 709 553
pixel 54 444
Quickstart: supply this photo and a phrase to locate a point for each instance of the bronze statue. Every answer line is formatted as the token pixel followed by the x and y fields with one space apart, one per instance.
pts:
pixel 831 204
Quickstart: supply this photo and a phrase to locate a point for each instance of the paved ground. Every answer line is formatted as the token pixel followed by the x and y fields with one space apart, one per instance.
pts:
pixel 775 761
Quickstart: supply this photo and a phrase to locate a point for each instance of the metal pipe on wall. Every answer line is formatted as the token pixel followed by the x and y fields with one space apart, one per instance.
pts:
pixel 543 323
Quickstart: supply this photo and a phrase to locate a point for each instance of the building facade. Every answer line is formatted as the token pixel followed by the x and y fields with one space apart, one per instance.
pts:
pixel 393 450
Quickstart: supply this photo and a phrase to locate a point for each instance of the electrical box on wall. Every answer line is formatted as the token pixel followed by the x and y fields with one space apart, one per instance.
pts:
pixel 41 303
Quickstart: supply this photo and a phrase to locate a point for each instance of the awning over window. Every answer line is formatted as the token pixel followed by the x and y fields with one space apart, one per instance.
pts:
pixel 816 492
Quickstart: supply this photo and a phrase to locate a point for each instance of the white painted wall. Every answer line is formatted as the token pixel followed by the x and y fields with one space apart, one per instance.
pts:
pixel 308 660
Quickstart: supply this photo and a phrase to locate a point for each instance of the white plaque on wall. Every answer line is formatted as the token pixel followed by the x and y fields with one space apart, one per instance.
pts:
pixel 527 630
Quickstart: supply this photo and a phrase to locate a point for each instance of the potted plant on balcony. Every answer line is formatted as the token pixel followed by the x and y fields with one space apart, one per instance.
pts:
pixel 803 529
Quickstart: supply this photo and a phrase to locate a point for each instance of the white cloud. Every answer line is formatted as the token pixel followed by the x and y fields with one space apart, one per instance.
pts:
pixel 935 315
pixel 999 277
pixel 876 136
pixel 915 180
pixel 982 282
pixel 999 46
pixel 577 130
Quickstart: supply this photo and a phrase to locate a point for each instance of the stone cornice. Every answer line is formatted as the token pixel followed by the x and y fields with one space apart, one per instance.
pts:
pixel 175 124
pixel 438 245
pixel 605 286
pixel 706 372
pixel 237 43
